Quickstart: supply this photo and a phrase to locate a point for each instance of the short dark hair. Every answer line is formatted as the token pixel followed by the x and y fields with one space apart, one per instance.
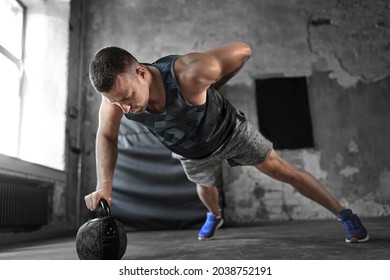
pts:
pixel 106 64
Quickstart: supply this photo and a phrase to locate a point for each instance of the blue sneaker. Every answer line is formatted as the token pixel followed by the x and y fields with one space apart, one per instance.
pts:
pixel 210 227
pixel 356 233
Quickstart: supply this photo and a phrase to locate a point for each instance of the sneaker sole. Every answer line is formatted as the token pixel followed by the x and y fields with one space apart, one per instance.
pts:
pixel 355 240
pixel 211 237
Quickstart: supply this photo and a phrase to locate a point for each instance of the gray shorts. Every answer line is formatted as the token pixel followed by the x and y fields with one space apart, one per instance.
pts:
pixel 246 146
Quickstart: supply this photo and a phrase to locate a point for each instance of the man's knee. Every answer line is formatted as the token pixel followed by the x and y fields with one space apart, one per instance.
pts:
pixel 278 168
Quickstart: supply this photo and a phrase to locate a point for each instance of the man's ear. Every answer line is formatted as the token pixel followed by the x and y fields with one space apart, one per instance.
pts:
pixel 141 71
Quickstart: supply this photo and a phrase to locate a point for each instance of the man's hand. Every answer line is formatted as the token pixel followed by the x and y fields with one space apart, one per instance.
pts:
pixel 92 199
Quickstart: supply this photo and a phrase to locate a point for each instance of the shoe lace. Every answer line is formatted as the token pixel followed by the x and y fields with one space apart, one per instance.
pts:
pixel 353 224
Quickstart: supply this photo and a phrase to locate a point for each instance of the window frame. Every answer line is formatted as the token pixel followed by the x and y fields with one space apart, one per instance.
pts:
pixel 19 63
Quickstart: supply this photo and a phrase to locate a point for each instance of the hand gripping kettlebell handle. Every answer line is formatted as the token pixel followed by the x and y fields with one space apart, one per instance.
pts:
pixel 106 208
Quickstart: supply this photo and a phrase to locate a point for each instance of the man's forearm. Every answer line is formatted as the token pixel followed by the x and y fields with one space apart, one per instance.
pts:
pixel 106 157
pixel 221 82
pixel 232 58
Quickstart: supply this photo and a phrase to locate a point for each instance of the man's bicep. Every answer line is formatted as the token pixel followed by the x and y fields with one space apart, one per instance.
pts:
pixel 229 59
pixel 199 66
pixel 110 116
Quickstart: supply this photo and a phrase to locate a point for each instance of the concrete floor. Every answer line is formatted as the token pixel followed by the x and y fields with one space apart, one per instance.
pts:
pixel 298 240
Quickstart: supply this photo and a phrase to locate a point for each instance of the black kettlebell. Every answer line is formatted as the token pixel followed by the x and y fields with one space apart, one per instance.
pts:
pixel 101 238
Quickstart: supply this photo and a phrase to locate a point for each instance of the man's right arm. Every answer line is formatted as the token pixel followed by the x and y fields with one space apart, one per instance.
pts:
pixel 106 153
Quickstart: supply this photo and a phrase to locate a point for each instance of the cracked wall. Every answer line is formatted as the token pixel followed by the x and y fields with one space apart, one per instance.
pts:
pixel 353 37
pixel 342 47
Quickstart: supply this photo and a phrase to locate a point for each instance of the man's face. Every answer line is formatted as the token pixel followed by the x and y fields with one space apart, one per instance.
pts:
pixel 130 92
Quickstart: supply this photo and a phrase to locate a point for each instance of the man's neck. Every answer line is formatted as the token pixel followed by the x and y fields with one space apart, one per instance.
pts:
pixel 156 102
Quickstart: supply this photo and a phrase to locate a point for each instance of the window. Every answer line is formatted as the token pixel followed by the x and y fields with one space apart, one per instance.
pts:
pixel 34 42
pixel 284 113
pixel 12 15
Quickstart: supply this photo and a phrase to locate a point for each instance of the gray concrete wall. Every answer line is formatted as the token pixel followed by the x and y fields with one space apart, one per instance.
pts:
pixel 342 47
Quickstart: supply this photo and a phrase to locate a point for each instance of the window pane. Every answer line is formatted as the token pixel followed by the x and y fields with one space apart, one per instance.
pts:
pixel 9 107
pixel 11 26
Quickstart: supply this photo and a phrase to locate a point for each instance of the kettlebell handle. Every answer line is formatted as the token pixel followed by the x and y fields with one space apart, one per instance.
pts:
pixel 106 208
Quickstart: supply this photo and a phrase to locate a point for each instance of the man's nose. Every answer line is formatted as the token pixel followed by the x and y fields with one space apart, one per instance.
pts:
pixel 125 108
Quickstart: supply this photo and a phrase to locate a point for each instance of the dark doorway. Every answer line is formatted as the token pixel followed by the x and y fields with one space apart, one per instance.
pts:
pixel 283 112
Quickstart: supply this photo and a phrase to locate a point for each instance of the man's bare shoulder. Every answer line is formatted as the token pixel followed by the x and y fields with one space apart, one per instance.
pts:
pixel 197 66
pixel 191 58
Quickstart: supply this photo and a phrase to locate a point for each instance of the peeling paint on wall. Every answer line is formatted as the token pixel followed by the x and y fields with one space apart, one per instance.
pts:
pixel 349 171
pixel 353 37
pixel 312 163
pixel 353 147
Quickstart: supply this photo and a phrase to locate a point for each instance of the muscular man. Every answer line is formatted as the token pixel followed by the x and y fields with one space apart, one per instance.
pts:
pixel 177 99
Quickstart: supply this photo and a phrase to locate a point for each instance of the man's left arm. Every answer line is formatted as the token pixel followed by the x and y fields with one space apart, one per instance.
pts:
pixel 231 58
pixel 197 71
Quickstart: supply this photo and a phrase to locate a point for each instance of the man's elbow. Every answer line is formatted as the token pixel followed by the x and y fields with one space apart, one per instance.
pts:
pixel 246 51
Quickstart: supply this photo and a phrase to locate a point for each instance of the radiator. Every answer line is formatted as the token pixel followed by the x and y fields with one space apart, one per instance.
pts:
pixel 23 203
